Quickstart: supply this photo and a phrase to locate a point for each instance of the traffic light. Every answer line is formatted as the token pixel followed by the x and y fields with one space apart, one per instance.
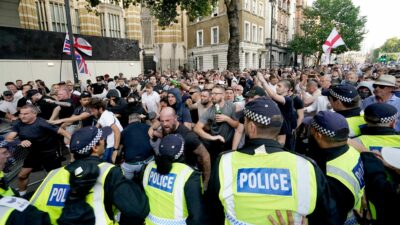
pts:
pixel 382 58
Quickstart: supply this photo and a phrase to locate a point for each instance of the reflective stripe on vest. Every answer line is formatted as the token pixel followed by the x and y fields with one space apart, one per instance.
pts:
pixel 4 214
pixel 305 199
pixel 173 198
pixel 377 142
pixel 60 176
pixel 348 169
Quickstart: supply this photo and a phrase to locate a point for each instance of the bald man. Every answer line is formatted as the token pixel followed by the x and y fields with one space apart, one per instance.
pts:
pixel 196 154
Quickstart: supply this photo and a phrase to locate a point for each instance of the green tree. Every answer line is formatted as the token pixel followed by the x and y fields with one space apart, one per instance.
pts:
pixel 391 45
pixel 166 12
pixel 320 18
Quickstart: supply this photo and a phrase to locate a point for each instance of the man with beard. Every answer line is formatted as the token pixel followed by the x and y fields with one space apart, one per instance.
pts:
pixel 195 153
pixel 106 118
pixel 202 104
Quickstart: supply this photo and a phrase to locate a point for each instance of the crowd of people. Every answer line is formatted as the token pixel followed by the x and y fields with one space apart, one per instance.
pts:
pixel 282 146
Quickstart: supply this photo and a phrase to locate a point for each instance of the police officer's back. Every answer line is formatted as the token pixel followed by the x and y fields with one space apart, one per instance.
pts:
pixel 249 184
pixel 14 210
pixel 87 191
pixel 340 162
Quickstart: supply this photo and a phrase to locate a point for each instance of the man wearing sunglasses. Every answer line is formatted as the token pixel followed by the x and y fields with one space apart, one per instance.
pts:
pixel 383 93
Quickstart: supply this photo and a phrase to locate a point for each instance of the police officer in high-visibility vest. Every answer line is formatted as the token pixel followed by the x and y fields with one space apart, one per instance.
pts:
pixel 381 120
pixel 15 210
pixel 89 191
pixel 345 100
pixel 174 189
pixel 250 184
pixel 379 136
pixel 340 161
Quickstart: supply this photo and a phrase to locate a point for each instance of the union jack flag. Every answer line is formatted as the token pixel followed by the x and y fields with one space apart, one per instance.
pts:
pixel 80 61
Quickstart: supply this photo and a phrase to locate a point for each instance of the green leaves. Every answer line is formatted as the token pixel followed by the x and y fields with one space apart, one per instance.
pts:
pixel 321 18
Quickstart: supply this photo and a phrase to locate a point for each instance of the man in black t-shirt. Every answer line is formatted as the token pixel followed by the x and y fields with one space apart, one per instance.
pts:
pixel 44 104
pixel 97 88
pixel 195 152
pixel 41 140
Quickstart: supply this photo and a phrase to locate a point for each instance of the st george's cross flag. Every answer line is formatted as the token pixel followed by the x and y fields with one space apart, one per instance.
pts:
pixel 80 61
pixel 334 40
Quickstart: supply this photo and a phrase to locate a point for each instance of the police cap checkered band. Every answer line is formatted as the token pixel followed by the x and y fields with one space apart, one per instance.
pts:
pixel 340 97
pixel 258 118
pixel 390 118
pixel 322 130
pixel 172 145
pixel 83 140
pixel 380 113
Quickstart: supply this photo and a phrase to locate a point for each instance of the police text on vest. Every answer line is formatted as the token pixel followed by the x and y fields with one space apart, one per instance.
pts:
pixel 58 194
pixel 271 181
pixel 163 182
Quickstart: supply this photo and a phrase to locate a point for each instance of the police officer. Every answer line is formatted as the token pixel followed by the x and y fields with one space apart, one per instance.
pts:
pixel 345 100
pixel 101 186
pixel 174 189
pixel 340 161
pixel 379 132
pixel 14 210
pixel 249 184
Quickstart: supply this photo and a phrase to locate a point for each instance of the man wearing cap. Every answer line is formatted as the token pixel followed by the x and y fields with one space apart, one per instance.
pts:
pixel 340 162
pixel 345 100
pixel 90 183
pixel 253 182
pixel 81 116
pixel 41 140
pixel 174 188
pixel 383 90
pixel 8 106
pixel 42 102
pixel 19 212
pixel 98 88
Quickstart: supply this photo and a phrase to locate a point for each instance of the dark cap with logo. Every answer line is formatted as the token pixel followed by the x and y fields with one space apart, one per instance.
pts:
pixel 262 110
pixel 172 145
pixel 380 113
pixel 84 139
pixel 343 92
pixel 330 124
pixel 85 94
pixel 7 93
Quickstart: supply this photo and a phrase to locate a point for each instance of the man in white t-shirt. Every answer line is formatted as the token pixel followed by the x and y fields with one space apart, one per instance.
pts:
pixel 150 99
pixel 106 118
pixel 8 106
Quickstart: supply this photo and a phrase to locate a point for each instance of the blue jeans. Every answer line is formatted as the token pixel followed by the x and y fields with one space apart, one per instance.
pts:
pixel 107 156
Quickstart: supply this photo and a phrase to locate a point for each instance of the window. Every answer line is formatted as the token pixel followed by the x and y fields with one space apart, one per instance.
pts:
pixel 215 10
pixel 58 17
pixel 199 38
pixel 214 35
pixel 246 31
pixel 254 33
pixel 77 24
pixel 215 62
pixel 42 16
pixel 102 25
pixel 261 34
pixel 261 10
pixel 254 6
pixel 246 4
pixel 115 28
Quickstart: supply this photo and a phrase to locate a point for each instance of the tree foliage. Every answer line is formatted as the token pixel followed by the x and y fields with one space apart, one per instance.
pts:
pixel 166 11
pixel 321 18
pixel 391 45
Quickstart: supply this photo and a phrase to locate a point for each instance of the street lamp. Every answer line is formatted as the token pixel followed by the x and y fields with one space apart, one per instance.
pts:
pixel 272 25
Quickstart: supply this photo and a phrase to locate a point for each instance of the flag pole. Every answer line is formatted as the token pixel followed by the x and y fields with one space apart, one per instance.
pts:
pixel 61 65
pixel 72 41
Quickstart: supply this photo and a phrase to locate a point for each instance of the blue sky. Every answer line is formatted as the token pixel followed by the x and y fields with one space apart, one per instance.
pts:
pixel 382 21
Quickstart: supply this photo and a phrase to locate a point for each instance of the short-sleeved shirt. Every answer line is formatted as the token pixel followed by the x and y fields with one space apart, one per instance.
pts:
pixel 223 129
pixel 46 108
pixel 66 111
pixel 107 119
pixel 192 142
pixel 41 134
pixel 136 142
pixel 151 101
pixel 98 88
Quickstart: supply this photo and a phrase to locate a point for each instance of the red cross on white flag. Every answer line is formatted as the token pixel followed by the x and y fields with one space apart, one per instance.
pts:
pixel 334 40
